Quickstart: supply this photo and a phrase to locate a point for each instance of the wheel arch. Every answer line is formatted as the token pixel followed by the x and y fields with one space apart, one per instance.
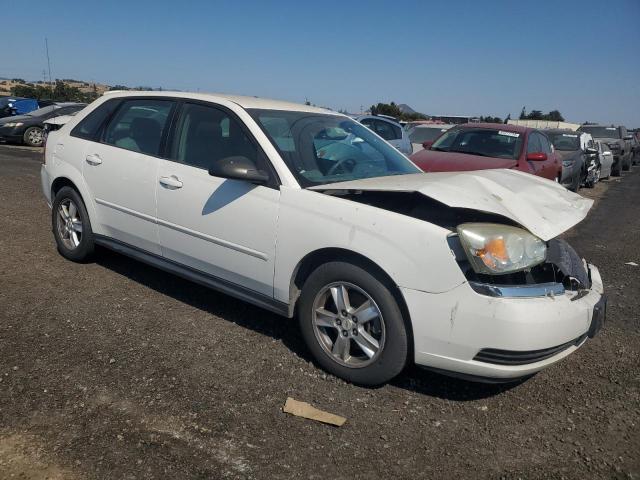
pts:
pixel 65 180
pixel 314 259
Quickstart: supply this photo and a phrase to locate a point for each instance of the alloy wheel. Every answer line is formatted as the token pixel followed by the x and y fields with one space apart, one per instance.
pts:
pixel 348 324
pixel 69 224
pixel 35 136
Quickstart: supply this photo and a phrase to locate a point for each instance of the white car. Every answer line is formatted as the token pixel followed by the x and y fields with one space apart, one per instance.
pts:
pixel 605 157
pixel 388 129
pixel 425 132
pixel 304 211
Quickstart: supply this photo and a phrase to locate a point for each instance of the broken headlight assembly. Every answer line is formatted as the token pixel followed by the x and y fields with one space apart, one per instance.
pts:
pixel 495 249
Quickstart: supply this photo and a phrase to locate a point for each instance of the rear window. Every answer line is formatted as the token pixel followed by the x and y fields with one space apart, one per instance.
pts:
pixel 485 142
pixel 602 132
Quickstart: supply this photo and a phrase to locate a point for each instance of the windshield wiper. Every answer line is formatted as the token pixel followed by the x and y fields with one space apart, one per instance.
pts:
pixel 438 149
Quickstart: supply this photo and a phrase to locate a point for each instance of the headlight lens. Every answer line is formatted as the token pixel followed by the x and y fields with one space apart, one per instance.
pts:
pixel 614 146
pixel 567 163
pixel 13 124
pixel 494 249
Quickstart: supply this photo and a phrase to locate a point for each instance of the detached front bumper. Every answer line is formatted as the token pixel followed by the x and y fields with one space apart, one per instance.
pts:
pixel 497 338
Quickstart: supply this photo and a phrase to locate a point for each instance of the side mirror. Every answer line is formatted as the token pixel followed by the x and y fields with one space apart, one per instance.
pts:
pixel 238 168
pixel 591 150
pixel 537 156
pixel 427 144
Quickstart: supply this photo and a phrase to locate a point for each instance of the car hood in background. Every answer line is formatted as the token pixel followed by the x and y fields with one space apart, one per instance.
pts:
pixel 542 206
pixel 434 161
pixel 61 120
pixel 15 118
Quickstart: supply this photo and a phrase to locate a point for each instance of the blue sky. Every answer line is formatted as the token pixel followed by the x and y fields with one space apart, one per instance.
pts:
pixel 462 57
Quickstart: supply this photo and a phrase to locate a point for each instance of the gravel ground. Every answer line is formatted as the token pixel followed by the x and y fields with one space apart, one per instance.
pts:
pixel 116 370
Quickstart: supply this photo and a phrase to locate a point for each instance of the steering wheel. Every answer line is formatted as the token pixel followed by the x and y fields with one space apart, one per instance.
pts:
pixel 342 163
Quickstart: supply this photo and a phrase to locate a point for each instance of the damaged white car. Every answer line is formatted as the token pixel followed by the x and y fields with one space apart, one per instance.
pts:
pixel 306 212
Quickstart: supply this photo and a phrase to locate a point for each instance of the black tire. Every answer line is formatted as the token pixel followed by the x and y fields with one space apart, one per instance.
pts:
pixel 33 137
pixel 85 248
pixel 575 186
pixel 615 169
pixel 392 355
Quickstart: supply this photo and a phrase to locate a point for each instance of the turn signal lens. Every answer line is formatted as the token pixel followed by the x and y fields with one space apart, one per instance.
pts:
pixel 494 249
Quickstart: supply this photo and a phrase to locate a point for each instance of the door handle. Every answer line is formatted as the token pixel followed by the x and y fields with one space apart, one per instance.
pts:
pixel 93 159
pixel 171 182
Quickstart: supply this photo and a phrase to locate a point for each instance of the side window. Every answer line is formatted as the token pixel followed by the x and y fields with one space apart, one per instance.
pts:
pixel 90 125
pixel 544 143
pixel 207 134
pixel 138 125
pixel 387 130
pixel 534 146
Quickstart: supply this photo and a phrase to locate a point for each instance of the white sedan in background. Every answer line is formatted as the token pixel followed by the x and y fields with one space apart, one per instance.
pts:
pixel 605 157
pixel 388 129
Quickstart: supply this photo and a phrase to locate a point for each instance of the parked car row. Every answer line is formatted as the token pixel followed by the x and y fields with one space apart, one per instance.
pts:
pixel 28 129
pixel 11 106
pixel 307 212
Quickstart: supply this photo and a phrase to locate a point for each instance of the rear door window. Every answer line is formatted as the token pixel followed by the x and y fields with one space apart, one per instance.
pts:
pixel 138 125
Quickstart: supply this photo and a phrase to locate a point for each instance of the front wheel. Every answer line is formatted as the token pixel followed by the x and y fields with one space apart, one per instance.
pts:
pixel 71 226
pixel 33 137
pixel 352 324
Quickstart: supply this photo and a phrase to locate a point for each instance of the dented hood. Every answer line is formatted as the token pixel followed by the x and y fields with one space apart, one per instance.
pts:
pixel 543 207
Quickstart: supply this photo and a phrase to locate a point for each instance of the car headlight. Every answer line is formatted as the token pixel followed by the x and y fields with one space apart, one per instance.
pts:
pixel 614 146
pixel 567 163
pixel 495 249
pixel 13 124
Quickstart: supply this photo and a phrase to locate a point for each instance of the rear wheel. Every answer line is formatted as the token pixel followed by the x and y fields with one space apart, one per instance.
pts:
pixel 352 324
pixel 33 137
pixel 71 226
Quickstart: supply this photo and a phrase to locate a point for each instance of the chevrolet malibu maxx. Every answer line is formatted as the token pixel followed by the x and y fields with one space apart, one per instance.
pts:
pixel 307 213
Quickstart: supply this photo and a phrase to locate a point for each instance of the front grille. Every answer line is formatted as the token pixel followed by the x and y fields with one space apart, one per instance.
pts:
pixel 514 357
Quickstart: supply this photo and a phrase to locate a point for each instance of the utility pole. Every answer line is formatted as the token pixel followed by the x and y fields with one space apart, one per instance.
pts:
pixel 46 44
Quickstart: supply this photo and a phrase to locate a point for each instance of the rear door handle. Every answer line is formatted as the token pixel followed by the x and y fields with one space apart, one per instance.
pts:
pixel 93 159
pixel 171 182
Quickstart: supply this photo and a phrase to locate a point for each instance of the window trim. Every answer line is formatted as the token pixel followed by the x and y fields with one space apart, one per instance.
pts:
pixel 274 180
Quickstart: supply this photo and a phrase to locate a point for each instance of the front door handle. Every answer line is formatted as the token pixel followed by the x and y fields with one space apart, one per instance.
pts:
pixel 171 182
pixel 93 159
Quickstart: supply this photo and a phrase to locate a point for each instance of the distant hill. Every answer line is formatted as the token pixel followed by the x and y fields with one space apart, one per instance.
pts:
pixel 404 108
pixel 85 87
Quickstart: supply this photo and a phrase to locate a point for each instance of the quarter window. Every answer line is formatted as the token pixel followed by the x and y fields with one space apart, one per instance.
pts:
pixel 90 125
pixel 207 134
pixel 138 125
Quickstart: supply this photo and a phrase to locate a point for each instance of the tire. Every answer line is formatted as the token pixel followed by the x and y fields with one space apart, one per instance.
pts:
pixel 382 321
pixel 71 226
pixel 615 169
pixel 33 137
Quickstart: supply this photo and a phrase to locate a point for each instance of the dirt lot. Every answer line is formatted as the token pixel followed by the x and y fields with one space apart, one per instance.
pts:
pixel 116 370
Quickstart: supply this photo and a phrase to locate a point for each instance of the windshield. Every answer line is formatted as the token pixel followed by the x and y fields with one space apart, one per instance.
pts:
pixel 565 141
pixel 43 111
pixel 322 148
pixel 485 142
pixel 602 132
pixel 425 134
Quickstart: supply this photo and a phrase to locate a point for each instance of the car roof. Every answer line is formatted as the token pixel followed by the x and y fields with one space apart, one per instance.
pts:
pixel 501 126
pixel 564 130
pixel 244 101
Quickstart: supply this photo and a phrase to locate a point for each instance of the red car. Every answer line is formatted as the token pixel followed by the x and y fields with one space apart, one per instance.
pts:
pixel 482 146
